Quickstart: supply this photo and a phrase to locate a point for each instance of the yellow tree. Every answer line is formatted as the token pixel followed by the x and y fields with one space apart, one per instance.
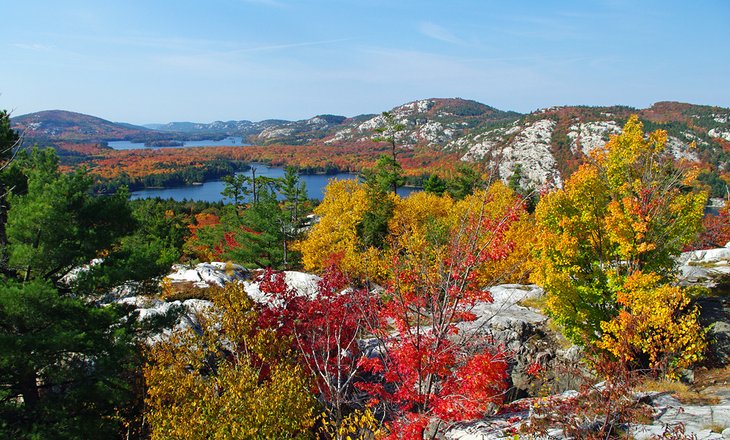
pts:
pixel 334 238
pixel 627 212
pixel 421 224
pixel 438 257
pixel 655 327
pixel 232 381
pixel 513 268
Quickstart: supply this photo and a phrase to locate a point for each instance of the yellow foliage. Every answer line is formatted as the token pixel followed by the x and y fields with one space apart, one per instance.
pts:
pixel 231 382
pixel 420 224
pixel 412 214
pixel 166 288
pixel 334 236
pixel 359 424
pixel 656 323
pixel 420 230
pixel 626 211
pixel 496 203
pixel 425 226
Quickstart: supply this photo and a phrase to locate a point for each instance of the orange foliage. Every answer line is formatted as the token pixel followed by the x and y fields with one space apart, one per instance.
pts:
pixel 193 244
pixel 83 148
pixel 353 158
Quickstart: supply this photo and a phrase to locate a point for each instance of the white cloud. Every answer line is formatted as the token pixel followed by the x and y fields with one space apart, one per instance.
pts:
pixel 32 46
pixel 439 33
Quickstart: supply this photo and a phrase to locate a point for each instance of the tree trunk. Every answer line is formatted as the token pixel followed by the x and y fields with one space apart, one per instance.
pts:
pixel 28 387
pixel 253 185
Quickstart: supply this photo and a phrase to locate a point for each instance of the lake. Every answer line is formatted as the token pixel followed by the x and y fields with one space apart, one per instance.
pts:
pixel 211 191
pixel 231 141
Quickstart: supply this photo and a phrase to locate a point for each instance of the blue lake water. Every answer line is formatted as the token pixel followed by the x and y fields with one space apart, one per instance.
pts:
pixel 211 191
pixel 232 141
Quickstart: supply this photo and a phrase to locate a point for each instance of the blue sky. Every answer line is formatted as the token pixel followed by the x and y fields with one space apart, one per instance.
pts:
pixel 143 61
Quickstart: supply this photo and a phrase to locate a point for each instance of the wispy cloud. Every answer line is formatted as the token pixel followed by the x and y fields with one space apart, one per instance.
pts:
pixel 32 46
pixel 272 47
pixel 550 28
pixel 439 33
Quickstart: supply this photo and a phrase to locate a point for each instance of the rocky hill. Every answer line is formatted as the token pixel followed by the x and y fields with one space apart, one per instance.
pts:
pixel 218 128
pixel 69 126
pixel 431 123
pixel 550 143
pixel 304 131
pixel 545 145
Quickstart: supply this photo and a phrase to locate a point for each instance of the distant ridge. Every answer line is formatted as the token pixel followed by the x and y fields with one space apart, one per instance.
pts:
pixel 545 145
pixel 72 126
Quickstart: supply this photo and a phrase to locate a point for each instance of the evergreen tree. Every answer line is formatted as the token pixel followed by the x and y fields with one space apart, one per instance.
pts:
pixel 64 361
pixel 236 188
pixel 9 140
pixel 434 185
pixel 384 176
pixel 56 224
pixel 294 191
pixel 65 365
pixel 465 182
pixel 388 167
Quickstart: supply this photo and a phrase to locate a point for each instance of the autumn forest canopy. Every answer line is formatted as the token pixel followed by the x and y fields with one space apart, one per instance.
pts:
pixel 389 341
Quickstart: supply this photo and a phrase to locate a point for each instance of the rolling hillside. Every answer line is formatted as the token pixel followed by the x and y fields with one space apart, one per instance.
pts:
pixel 61 125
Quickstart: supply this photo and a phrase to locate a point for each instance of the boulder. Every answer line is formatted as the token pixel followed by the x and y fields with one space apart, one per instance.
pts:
pixel 704 267
pixel 303 283
pixel 532 345
pixel 188 313
pixel 204 275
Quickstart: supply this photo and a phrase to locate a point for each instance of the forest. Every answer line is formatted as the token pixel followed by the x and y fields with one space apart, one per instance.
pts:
pixel 168 167
pixel 389 344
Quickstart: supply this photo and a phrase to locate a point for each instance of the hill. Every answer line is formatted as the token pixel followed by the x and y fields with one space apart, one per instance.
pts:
pixel 549 144
pixel 215 129
pixel 57 125
pixel 543 146
pixel 428 122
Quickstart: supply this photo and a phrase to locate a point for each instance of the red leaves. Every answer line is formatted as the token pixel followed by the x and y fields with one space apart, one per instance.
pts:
pixel 430 365
pixel 203 220
pixel 273 284
pixel 534 369
pixel 716 230
pixel 469 391
pixel 229 242
pixel 324 329
pixel 373 364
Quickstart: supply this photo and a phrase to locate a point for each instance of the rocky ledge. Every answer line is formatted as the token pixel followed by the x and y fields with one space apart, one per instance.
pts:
pixel 531 341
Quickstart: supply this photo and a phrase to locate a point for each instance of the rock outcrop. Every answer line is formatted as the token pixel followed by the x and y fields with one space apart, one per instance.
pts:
pixel 526 335
pixel 203 276
pixel 705 267
pixel 527 338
